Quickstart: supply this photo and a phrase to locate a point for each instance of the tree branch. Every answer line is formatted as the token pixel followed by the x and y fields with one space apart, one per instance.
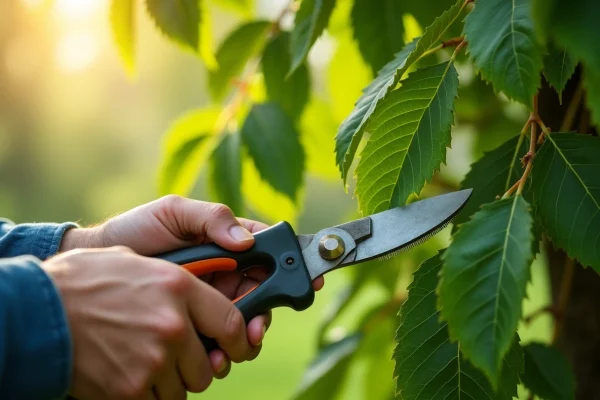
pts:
pixel 528 159
pixel 572 109
pixel 563 297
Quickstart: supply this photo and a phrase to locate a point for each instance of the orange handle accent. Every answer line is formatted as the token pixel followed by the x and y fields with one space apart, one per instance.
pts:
pixel 245 294
pixel 211 265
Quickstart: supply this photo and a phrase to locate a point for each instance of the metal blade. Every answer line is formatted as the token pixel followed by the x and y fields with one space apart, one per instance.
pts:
pixel 385 232
pixel 399 227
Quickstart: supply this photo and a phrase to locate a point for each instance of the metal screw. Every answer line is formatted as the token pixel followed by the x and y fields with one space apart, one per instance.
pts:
pixel 331 247
pixel 289 261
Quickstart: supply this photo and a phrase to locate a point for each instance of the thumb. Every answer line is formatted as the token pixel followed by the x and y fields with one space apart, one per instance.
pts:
pixel 224 229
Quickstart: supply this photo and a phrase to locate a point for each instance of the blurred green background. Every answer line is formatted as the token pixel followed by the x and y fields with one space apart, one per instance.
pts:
pixel 79 141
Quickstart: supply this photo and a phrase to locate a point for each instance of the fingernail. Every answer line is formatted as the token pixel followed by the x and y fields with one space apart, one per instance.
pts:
pixel 264 330
pixel 240 233
pixel 222 365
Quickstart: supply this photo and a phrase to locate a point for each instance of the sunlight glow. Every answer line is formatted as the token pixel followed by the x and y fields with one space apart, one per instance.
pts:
pixel 76 52
pixel 33 4
pixel 77 9
pixel 78 25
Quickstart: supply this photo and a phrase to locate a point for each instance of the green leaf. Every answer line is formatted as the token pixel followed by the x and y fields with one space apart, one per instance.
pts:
pixel 244 7
pixel 547 373
pixel 558 68
pixel 426 11
pixel 186 146
pixel 591 83
pixel 122 21
pixel 351 130
pixel 566 192
pixel 238 47
pixel 378 30
pixel 503 46
pixel 409 134
pixel 570 22
pixel 259 196
pixel 486 269
pixel 274 145
pixel 504 162
pixel 226 172
pixel 326 373
pixel 205 49
pixel 428 364
pixel 290 92
pixel 177 19
pixel 311 20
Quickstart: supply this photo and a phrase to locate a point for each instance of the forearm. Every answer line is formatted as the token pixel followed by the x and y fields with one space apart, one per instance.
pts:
pixel 35 346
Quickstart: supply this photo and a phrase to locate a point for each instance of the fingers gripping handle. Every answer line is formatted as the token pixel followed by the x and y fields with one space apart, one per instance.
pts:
pixel 289 284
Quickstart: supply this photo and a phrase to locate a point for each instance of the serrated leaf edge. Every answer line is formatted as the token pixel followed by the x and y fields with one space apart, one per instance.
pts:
pixel 452 332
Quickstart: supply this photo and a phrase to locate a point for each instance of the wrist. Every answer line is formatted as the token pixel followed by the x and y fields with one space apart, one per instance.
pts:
pixel 79 238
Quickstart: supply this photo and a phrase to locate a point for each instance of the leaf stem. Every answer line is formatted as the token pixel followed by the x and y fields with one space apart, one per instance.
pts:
pixel 432 50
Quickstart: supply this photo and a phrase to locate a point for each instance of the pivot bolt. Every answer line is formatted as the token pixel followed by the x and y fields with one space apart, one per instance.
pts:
pixel 331 247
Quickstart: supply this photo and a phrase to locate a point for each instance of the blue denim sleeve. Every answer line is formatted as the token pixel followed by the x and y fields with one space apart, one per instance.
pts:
pixel 38 240
pixel 35 343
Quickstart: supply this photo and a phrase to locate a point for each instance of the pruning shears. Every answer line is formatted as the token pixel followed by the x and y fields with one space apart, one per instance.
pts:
pixel 295 260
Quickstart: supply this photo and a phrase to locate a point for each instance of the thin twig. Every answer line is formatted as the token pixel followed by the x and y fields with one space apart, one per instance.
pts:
pixel 532 143
pixel 572 109
pixel 453 42
pixel 540 311
pixel 563 297
pixel 242 85
pixel 458 47
pixel 512 189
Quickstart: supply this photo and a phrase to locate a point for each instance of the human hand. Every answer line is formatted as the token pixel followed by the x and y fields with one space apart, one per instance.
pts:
pixel 134 323
pixel 173 222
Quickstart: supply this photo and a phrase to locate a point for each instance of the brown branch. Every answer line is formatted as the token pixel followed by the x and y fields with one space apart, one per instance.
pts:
pixel 528 319
pixel 532 143
pixel 453 42
pixel 512 189
pixel 563 297
pixel 572 109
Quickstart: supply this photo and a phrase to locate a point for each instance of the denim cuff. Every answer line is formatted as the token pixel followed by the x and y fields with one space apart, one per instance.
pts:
pixel 40 240
pixel 37 345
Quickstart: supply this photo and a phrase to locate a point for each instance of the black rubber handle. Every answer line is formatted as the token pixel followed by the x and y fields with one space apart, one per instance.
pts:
pixel 288 285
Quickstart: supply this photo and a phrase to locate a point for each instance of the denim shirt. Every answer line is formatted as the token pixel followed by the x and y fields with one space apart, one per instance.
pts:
pixel 35 343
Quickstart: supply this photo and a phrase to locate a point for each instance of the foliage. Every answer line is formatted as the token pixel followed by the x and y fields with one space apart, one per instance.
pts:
pixel 483 282
pixel 409 134
pixel 547 372
pixel 430 365
pixel 271 128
